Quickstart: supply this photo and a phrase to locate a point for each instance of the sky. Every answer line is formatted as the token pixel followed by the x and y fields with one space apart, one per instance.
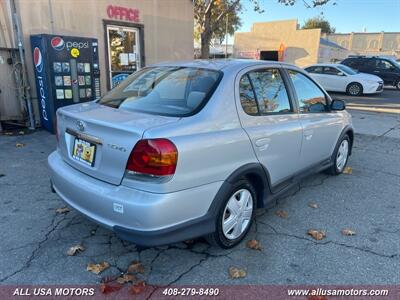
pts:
pixel 345 16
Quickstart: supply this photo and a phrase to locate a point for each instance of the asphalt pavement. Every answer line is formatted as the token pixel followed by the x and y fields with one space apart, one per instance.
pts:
pixel 388 101
pixel 35 238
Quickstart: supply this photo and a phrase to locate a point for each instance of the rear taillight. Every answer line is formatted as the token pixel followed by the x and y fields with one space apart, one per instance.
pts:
pixel 157 157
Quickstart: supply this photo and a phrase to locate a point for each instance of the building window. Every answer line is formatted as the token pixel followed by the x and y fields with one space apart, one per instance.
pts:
pixel 124 51
pixel 373 44
pixel 344 44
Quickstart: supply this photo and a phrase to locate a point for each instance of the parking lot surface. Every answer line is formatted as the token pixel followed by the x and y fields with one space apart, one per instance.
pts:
pixel 35 238
pixel 388 101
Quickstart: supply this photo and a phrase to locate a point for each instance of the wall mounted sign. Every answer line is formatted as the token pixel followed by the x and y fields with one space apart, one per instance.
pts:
pixel 123 13
pixel 117 79
pixel 249 54
pixel 281 52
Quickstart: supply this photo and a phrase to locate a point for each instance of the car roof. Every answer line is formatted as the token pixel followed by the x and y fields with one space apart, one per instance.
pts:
pixel 325 65
pixel 221 64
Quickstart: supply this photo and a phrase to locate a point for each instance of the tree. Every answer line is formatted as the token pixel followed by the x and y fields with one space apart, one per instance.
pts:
pixel 210 15
pixel 231 19
pixel 319 22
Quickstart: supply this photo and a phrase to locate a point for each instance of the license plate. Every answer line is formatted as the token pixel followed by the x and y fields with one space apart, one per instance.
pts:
pixel 84 152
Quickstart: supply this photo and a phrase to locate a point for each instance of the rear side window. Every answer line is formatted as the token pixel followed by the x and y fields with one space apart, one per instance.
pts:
pixel 267 90
pixel 331 71
pixel 352 62
pixel 247 98
pixel 310 97
pixel 317 70
pixel 384 64
pixel 171 91
pixel 270 91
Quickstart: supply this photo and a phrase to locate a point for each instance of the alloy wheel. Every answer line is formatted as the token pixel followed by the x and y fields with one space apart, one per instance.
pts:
pixel 354 89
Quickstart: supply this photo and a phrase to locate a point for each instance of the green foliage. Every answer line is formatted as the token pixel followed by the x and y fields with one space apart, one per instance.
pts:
pixel 220 17
pixel 210 17
pixel 319 22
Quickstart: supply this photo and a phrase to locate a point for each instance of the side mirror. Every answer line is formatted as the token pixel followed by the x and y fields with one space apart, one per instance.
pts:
pixel 341 74
pixel 338 105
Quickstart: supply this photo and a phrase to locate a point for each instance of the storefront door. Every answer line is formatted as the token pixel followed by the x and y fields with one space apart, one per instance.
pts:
pixel 124 53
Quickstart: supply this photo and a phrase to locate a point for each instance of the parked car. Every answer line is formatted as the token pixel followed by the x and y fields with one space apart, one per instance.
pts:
pixel 182 150
pixel 385 68
pixel 340 78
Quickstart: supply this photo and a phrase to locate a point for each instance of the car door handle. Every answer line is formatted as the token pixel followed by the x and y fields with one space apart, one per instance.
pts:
pixel 262 143
pixel 308 133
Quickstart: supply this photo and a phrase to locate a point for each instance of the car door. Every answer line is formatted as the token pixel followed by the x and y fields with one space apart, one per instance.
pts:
pixel 335 80
pixel 316 73
pixel 321 127
pixel 270 120
pixel 385 70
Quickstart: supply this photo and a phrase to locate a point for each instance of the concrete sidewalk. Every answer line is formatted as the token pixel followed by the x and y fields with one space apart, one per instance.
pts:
pixel 376 123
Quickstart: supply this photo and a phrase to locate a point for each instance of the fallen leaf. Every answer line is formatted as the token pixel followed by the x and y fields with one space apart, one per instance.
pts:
pixel 19 145
pixel 75 249
pixel 316 234
pixel 135 267
pixel 313 205
pixel 62 210
pixel 97 268
pixel 126 278
pixel 107 288
pixel 254 244
pixel 236 273
pixel 137 288
pixel 281 213
pixel 348 170
pixel 348 232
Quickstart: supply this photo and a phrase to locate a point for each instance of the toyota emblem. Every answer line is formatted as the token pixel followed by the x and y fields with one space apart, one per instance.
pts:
pixel 80 125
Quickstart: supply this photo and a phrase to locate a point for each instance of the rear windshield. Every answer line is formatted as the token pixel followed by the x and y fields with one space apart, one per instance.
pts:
pixel 171 91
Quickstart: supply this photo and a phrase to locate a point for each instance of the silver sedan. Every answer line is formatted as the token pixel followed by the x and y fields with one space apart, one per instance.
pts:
pixel 181 150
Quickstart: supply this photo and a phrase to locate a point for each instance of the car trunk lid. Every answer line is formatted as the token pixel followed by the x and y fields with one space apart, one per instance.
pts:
pixel 112 132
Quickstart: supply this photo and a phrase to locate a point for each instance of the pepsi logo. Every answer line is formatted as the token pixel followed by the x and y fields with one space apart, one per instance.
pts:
pixel 37 59
pixel 57 43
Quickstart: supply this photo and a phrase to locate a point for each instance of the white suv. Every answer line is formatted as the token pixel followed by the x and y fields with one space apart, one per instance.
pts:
pixel 181 150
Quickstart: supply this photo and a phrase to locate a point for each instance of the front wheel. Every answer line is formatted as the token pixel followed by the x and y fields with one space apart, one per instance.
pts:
pixel 354 89
pixel 397 85
pixel 340 156
pixel 235 216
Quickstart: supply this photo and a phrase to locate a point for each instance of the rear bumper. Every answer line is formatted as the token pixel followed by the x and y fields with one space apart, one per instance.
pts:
pixel 142 217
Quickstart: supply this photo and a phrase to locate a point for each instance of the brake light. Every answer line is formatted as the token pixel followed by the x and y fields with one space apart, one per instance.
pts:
pixel 157 157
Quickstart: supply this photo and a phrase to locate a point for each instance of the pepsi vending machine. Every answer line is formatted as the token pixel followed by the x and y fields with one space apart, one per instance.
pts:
pixel 67 72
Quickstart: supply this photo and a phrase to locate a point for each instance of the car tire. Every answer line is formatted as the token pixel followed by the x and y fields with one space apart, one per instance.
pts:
pixel 397 85
pixel 354 89
pixel 340 156
pixel 240 203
